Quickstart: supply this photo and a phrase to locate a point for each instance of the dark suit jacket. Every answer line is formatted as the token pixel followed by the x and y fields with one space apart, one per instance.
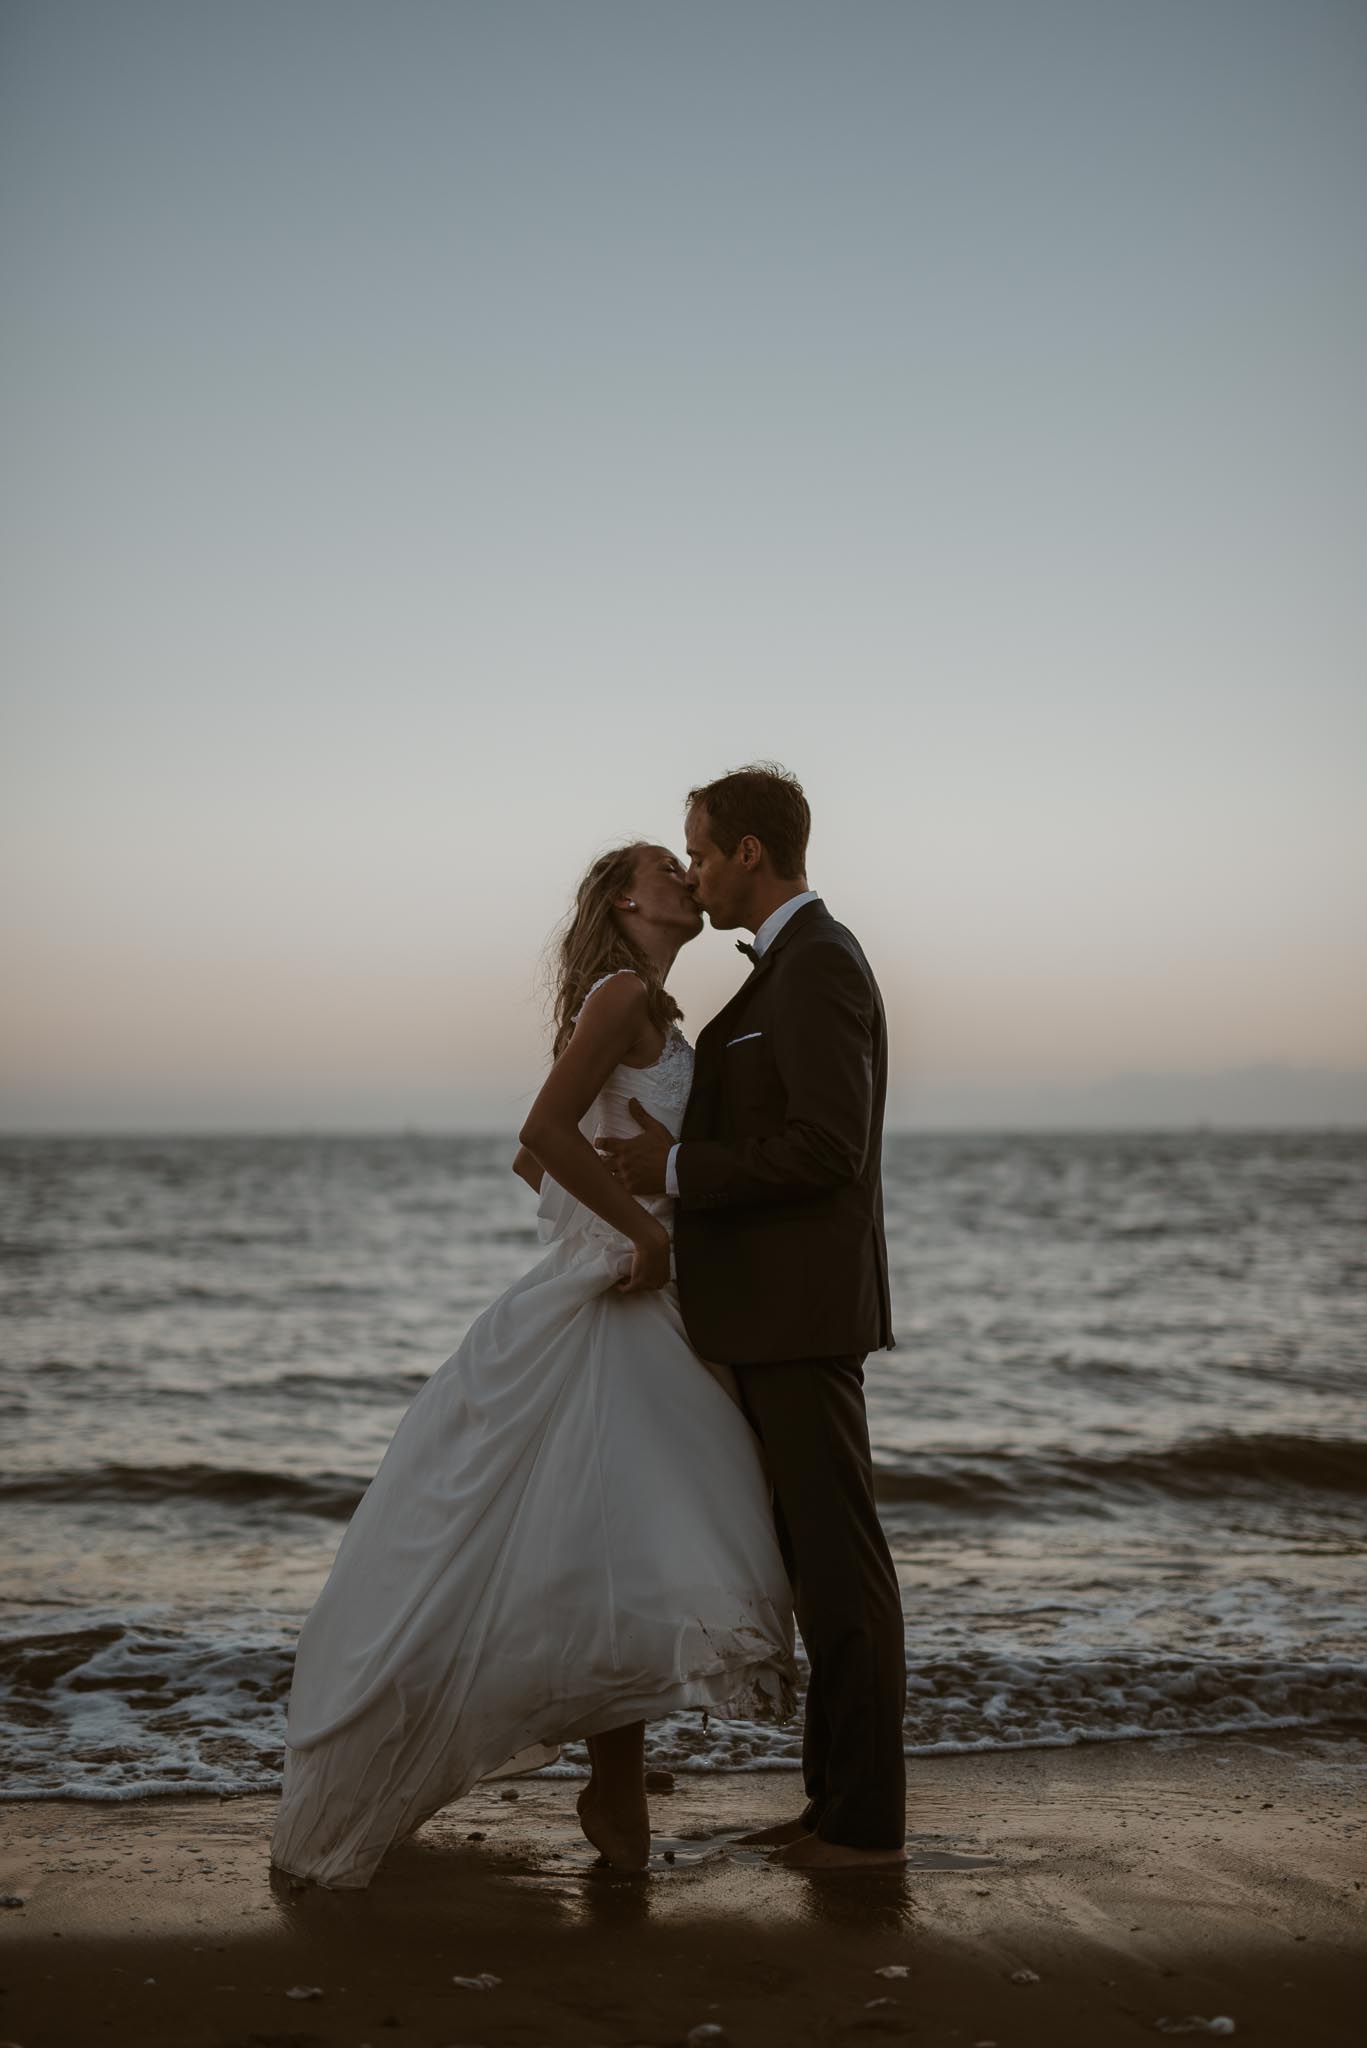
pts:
pixel 778 1230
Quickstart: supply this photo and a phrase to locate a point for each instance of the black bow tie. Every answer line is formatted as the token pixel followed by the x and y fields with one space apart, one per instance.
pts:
pixel 749 951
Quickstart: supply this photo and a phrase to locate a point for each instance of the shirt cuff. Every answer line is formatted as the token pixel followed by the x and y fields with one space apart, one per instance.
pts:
pixel 672 1173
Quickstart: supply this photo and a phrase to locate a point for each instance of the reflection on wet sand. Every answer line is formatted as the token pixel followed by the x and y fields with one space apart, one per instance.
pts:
pixel 1062 1896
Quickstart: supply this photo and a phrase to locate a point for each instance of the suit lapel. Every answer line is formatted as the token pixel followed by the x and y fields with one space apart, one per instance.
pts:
pixel 762 966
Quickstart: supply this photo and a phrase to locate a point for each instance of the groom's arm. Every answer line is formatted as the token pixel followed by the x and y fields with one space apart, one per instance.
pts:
pixel 821 1038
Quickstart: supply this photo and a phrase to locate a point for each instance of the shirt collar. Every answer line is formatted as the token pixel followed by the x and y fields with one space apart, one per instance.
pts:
pixel 775 921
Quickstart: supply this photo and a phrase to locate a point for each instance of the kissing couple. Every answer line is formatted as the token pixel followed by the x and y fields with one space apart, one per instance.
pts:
pixel 651 1451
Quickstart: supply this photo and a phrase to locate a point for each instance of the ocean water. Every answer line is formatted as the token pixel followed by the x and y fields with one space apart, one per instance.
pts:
pixel 1120 1445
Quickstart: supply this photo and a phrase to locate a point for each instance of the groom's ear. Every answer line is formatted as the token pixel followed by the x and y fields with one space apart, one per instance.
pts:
pixel 749 852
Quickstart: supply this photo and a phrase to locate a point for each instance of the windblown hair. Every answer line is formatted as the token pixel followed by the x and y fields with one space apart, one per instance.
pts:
pixel 765 800
pixel 593 944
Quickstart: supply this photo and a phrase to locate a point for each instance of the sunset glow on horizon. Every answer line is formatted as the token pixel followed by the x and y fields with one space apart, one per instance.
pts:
pixel 441 436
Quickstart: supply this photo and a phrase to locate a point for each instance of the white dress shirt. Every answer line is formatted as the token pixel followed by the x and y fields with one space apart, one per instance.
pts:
pixel 764 938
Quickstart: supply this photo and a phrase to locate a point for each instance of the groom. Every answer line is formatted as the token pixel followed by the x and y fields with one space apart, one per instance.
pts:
pixel 783 1275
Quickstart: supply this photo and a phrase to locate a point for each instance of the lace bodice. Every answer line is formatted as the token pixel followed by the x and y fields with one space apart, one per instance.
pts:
pixel 662 1090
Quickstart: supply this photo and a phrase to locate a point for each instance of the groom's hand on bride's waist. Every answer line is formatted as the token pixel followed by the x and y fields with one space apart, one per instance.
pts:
pixel 639 1163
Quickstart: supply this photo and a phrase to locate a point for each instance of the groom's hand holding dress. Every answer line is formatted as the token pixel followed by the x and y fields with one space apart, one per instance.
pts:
pixel 639 1163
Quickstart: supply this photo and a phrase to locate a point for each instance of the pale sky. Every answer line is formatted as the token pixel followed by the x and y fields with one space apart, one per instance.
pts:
pixel 438 434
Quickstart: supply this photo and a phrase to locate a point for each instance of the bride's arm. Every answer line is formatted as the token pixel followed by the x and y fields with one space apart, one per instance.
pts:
pixel 610 1026
pixel 529 1168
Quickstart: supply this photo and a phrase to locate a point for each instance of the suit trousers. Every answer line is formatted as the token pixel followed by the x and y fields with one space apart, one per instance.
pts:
pixel 809 1416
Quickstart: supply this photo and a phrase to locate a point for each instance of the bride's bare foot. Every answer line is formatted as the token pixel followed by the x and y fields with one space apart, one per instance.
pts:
pixel 612 1806
pixel 622 1838
pixel 776 1837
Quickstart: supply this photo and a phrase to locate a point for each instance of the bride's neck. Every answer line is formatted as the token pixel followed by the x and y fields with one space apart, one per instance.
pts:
pixel 660 949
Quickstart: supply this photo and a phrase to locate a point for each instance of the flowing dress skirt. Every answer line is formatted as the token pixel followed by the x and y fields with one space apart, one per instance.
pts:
pixel 570 1530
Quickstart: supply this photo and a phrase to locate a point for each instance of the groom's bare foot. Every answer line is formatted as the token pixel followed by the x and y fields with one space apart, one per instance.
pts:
pixel 814 1854
pixel 775 1837
pixel 621 1839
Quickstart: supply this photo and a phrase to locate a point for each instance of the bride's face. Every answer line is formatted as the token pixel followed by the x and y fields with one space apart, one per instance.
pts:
pixel 660 891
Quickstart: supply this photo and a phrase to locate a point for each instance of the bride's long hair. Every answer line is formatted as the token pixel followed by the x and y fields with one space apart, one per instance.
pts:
pixel 593 944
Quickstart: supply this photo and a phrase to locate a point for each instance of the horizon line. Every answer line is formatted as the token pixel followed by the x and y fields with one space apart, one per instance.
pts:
pixel 1201 1126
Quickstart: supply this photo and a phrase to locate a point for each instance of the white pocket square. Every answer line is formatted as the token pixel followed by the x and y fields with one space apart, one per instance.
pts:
pixel 741 1040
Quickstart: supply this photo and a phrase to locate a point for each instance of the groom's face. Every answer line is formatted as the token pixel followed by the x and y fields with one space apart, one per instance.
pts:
pixel 718 880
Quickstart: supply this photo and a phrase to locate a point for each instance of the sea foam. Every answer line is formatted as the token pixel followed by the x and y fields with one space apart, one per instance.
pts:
pixel 110 1712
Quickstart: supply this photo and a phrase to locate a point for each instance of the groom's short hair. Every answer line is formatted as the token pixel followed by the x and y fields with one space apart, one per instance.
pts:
pixel 765 800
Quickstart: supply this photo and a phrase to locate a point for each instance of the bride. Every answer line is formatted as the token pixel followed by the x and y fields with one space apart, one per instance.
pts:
pixel 570 1533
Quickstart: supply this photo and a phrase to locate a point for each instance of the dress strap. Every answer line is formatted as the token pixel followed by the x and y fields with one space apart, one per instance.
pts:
pixel 599 983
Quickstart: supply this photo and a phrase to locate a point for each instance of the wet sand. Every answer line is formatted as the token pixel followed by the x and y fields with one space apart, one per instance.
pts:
pixel 1135 1883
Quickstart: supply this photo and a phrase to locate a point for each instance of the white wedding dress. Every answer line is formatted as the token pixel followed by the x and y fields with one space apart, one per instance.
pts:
pixel 570 1531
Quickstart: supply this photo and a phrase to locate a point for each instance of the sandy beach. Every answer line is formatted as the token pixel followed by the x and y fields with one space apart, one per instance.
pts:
pixel 1069 1896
